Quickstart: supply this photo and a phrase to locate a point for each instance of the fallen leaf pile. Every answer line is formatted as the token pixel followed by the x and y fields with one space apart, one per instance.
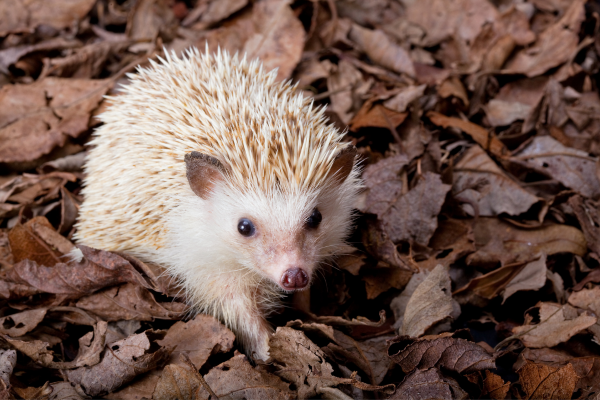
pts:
pixel 474 265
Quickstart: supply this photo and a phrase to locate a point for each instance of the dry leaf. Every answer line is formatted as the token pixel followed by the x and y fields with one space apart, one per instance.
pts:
pixel 127 302
pixel 8 361
pixel 478 179
pixel 176 383
pixel 501 242
pixel 573 168
pixel 236 378
pixel 494 387
pixel 428 384
pixel 485 139
pixel 23 16
pixel 382 50
pixel 412 216
pixel 430 304
pixel 402 100
pixel 451 353
pixel 540 381
pixel 20 323
pixel 531 277
pixel 300 361
pixel 38 117
pixel 123 361
pixel 554 46
pixel 557 324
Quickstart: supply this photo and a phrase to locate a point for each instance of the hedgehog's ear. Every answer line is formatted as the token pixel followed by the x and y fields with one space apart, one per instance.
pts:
pixel 203 171
pixel 342 165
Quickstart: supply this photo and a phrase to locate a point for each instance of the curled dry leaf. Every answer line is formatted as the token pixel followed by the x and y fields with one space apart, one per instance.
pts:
pixel 402 100
pixel 573 168
pixel 554 46
pixel 430 304
pixel 428 384
pixel 64 391
pixel 443 351
pixel 148 18
pixel 384 183
pixel 557 324
pixel 344 84
pixel 24 16
pixel 40 116
pixel 122 362
pixel 478 179
pixel 376 116
pixel 541 381
pixel 588 216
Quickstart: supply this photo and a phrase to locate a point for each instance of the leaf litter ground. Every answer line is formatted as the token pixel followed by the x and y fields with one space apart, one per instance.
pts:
pixel 474 267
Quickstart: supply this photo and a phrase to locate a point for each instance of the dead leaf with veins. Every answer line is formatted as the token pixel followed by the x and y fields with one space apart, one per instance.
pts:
pixel 557 324
pixel 428 384
pixel 540 381
pixel 430 304
pixel 441 351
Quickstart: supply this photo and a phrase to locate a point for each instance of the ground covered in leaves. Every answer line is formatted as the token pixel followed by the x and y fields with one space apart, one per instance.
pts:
pixel 474 269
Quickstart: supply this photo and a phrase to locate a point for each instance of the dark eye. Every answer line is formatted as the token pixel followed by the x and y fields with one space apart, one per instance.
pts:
pixel 314 220
pixel 246 227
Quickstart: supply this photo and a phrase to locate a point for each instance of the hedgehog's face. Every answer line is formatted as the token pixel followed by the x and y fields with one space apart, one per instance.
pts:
pixel 282 235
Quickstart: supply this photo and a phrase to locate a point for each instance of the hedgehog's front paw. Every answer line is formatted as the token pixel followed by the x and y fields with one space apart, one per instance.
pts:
pixel 258 349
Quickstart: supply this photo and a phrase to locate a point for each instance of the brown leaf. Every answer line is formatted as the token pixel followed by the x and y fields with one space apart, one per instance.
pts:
pixel 501 242
pixel 368 355
pixel 20 323
pixel 376 116
pixel 573 168
pixel 412 216
pixel 127 302
pixel 25 244
pixel 494 387
pixel 540 381
pixel 557 324
pixel 199 338
pixel 515 101
pixel 176 383
pixel 429 304
pixel 428 384
pixel 404 98
pixel 122 362
pixel 237 378
pixel 345 84
pixel 24 16
pixel 9 56
pixel 300 361
pixel 554 46
pixel 454 354
pixel 64 391
pixel 382 50
pixel 485 139
pixel 441 19
pixel 148 18
pixel 212 11
pixel 478 179
pixel 531 277
pixel 40 116
pixel 382 278
pixel 452 240
pixel 98 270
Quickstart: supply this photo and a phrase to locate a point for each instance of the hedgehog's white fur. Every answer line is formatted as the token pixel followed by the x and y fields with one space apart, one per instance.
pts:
pixel 279 150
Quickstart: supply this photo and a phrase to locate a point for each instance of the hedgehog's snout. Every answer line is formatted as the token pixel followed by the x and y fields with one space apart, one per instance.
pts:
pixel 294 278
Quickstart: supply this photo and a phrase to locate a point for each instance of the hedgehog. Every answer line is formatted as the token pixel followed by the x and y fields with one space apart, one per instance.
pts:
pixel 235 183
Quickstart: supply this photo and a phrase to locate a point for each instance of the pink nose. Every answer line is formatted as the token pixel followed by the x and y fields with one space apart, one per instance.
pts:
pixel 294 278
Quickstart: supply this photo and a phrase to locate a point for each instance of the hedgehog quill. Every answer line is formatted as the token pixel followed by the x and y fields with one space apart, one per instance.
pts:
pixel 233 182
